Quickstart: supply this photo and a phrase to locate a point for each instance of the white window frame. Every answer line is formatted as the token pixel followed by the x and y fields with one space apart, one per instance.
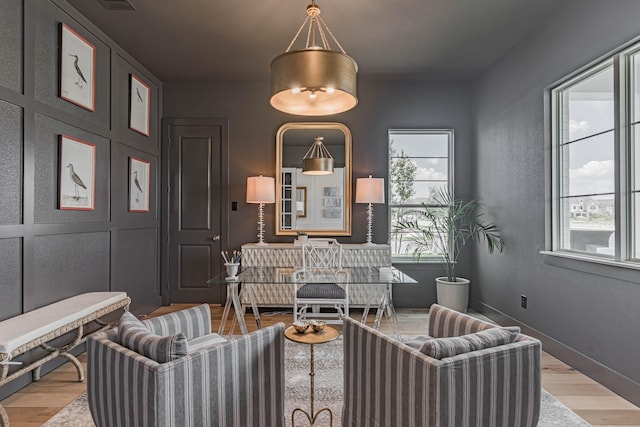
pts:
pixel 621 62
pixel 450 184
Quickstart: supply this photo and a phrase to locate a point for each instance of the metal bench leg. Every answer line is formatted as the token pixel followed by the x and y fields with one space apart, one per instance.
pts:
pixel 4 418
pixel 64 352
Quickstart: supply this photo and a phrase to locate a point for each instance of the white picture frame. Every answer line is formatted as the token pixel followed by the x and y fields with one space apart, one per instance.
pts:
pixel 77 69
pixel 77 174
pixel 139 105
pixel 139 185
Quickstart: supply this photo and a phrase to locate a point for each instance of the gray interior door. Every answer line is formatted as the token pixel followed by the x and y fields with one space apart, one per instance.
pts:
pixel 197 183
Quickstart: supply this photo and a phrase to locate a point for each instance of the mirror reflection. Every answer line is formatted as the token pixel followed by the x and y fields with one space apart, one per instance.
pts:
pixel 313 178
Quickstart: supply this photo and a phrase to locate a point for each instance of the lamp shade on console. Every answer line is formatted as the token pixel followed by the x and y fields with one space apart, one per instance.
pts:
pixel 261 190
pixel 370 190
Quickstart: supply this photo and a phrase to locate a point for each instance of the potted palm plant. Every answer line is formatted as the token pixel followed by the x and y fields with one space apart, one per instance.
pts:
pixel 444 228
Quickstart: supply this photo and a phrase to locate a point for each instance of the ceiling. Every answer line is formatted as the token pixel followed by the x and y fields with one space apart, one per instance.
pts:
pixel 231 40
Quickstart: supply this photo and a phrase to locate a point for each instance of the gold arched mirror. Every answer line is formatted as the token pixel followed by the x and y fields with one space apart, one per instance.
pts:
pixel 316 202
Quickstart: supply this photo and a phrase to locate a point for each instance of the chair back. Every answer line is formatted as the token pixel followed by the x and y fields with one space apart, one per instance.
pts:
pixel 322 254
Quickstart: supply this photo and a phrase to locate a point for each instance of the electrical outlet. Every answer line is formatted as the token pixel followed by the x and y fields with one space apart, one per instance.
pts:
pixel 523 301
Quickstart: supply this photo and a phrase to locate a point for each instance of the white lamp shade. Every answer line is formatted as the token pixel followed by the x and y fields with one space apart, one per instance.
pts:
pixel 261 189
pixel 370 190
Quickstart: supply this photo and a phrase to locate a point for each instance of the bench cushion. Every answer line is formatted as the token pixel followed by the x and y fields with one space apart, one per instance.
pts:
pixel 21 329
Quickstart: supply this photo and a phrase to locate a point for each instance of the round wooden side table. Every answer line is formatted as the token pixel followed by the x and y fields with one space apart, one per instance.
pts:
pixel 311 338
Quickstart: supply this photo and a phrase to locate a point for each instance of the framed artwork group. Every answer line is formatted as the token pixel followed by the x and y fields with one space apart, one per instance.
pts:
pixel 78 76
pixel 77 158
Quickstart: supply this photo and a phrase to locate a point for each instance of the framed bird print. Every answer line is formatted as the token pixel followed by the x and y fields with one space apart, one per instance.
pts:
pixel 140 108
pixel 77 174
pixel 139 175
pixel 77 69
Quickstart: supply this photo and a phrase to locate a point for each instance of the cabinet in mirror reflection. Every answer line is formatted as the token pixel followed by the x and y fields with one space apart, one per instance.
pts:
pixel 314 204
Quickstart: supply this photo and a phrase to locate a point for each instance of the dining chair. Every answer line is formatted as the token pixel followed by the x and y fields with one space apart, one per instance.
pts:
pixel 321 282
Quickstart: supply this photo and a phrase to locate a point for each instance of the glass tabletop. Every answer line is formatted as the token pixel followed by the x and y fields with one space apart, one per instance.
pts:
pixel 351 275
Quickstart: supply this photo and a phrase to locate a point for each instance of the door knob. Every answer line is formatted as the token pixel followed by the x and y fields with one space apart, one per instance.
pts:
pixel 216 238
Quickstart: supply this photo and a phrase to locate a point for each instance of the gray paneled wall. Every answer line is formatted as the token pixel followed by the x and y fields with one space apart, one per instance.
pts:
pixel 47 254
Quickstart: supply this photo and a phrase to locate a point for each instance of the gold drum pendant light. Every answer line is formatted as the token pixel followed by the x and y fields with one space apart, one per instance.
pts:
pixel 316 80
pixel 318 160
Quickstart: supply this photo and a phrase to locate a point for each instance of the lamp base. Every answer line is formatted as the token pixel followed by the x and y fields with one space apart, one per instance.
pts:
pixel 369 244
pixel 261 243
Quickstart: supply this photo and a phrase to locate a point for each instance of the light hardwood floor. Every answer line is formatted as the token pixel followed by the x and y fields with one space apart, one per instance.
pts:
pixel 36 403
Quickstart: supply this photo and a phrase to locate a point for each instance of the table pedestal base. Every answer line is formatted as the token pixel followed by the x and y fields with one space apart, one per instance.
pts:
pixel 313 416
pixel 312 419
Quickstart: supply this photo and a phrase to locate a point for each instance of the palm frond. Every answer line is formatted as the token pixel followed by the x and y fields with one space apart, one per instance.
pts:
pixel 447 229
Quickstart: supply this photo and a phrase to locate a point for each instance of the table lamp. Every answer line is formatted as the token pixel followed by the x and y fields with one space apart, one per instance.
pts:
pixel 369 190
pixel 261 190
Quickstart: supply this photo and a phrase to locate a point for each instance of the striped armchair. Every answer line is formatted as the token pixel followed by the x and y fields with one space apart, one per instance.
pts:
pixel 235 383
pixel 389 383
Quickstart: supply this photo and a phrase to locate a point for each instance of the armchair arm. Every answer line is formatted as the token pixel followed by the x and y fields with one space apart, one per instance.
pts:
pixel 385 381
pixel 192 322
pixel 117 383
pixel 238 383
pixel 497 386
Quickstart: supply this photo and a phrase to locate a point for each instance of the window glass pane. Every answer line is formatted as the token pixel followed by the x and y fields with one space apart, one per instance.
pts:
pixel 636 225
pixel 587 169
pixel 590 164
pixel 406 243
pixel 432 169
pixel 421 191
pixel 419 145
pixel 418 168
pixel 635 87
pixel 589 106
pixel 589 224
pixel 636 156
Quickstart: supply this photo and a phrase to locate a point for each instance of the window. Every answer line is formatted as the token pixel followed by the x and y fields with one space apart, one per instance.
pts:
pixel 596 160
pixel 420 163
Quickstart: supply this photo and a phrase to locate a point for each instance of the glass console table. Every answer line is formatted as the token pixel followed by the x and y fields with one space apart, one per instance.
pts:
pixel 381 277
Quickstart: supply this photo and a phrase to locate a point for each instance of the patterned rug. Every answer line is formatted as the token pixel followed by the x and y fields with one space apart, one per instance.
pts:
pixel 328 392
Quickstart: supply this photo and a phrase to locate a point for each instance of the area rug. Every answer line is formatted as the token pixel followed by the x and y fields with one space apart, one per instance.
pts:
pixel 328 392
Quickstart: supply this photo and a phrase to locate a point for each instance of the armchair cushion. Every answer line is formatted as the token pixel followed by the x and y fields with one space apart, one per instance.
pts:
pixel 134 335
pixel 439 348
pixel 204 342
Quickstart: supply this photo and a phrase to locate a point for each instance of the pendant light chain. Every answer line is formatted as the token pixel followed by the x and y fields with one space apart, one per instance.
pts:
pixel 316 23
pixel 332 36
pixel 297 34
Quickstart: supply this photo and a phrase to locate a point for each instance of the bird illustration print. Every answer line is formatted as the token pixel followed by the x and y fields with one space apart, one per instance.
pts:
pixel 137 183
pixel 77 182
pixel 81 80
pixel 139 96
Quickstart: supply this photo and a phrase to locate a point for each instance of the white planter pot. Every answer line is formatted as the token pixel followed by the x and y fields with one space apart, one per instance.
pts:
pixel 454 295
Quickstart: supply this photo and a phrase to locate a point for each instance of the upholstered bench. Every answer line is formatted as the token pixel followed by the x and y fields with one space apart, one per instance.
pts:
pixel 38 327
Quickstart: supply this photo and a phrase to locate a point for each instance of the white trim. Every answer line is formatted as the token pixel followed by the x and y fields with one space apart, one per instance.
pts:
pixel 593 259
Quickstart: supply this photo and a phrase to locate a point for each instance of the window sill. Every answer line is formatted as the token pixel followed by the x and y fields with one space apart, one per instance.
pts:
pixel 412 260
pixel 604 267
